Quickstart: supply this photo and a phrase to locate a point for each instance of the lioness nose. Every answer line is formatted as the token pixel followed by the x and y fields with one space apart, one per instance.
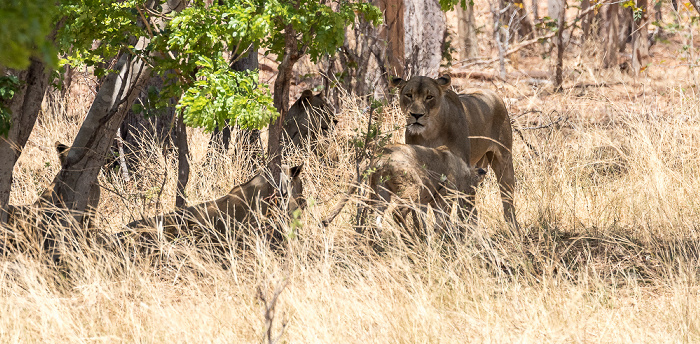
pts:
pixel 416 115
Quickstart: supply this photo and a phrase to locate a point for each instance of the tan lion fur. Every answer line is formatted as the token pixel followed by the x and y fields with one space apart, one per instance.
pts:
pixel 237 206
pixel 475 126
pixel 413 174
pixel 308 119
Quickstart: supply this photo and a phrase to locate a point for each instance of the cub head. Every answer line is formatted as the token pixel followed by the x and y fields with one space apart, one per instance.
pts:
pixel 420 98
pixel 308 118
pixel 291 187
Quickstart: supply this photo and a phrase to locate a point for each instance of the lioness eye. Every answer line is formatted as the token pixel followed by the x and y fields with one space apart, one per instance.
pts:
pixel 408 95
pixel 429 97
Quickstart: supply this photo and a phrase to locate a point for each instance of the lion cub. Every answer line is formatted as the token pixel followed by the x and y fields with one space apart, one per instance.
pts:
pixel 413 174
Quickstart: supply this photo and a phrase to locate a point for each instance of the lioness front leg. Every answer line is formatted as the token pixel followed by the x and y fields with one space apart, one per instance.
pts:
pixel 502 165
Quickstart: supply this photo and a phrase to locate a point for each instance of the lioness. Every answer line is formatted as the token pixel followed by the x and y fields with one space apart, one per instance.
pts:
pixel 418 175
pixel 474 126
pixel 250 197
pixel 308 119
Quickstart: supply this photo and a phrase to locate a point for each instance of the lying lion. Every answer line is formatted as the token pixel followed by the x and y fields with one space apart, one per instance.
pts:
pixel 238 206
pixel 416 175
pixel 475 126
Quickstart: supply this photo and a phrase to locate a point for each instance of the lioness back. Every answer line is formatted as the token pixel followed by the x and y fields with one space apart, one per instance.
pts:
pixel 308 119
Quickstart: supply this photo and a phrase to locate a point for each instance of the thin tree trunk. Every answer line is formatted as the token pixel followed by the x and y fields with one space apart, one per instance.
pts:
pixel 72 184
pixel 183 165
pixel 466 31
pixel 559 77
pixel 640 41
pixel 281 101
pixel 586 20
pixel 393 32
pixel 610 34
pixel 25 106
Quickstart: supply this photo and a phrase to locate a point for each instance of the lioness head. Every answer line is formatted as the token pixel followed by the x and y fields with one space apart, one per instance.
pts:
pixel 420 98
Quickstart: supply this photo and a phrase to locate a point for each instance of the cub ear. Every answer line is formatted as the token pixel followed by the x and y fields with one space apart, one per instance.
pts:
pixel 397 82
pixel 444 81
pixel 296 171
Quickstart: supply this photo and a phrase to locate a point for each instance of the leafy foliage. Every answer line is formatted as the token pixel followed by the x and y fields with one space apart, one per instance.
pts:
pixel 193 51
pixel 216 96
pixel 8 87
pixel 24 26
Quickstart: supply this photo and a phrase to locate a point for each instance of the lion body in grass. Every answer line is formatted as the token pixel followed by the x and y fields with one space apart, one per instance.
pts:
pixel 308 120
pixel 217 217
pixel 416 176
pixel 475 126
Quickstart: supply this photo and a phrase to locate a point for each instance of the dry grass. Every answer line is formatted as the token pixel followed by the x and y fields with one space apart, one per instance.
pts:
pixel 609 250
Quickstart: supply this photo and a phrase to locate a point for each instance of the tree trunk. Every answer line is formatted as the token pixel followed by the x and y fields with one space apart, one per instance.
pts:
pixel 586 20
pixel 554 10
pixel 280 99
pixel 610 34
pixel 183 162
pixel 559 77
pixel 640 41
pixel 393 32
pixel 466 31
pixel 626 23
pixel 138 127
pixel 25 106
pixel 424 32
pixel 72 184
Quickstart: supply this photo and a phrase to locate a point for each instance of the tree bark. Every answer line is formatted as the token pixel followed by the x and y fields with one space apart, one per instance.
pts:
pixel 554 10
pixel 610 34
pixel 640 41
pixel 72 184
pixel 424 32
pixel 559 77
pixel 393 32
pixel 466 31
pixel 586 20
pixel 183 162
pixel 280 99
pixel 25 106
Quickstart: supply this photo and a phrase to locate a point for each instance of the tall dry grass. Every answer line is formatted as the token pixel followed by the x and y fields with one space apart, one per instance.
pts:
pixel 608 250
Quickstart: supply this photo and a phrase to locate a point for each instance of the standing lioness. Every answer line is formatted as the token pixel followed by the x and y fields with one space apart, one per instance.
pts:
pixel 474 126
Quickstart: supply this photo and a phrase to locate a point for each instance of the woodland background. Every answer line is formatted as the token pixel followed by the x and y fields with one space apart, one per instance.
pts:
pixel 605 145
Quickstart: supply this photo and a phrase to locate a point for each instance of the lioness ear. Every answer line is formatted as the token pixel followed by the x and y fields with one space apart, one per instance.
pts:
pixel 62 150
pixel 307 94
pixel 397 82
pixel 444 81
pixel 296 171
